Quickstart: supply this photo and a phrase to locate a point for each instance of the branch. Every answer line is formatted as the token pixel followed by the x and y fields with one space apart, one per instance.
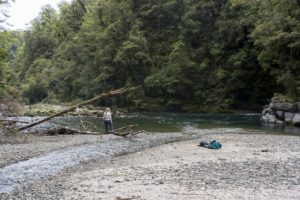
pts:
pixel 107 94
pixel 13 121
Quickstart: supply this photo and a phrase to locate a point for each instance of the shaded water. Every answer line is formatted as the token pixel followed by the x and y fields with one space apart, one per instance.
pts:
pixel 177 122
pixel 164 128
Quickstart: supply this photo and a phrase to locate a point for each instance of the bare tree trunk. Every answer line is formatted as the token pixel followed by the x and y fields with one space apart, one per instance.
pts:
pixel 12 121
pixel 127 131
pixel 111 93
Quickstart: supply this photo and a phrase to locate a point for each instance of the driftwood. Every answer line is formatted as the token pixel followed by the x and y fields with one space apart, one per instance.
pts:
pixel 111 93
pixel 127 131
pixel 68 131
pixel 12 121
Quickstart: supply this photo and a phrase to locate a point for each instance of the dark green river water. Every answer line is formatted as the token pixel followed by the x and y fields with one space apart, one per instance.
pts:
pixel 180 122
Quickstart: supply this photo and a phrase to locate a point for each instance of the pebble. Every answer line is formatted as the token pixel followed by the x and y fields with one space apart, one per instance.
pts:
pixel 231 175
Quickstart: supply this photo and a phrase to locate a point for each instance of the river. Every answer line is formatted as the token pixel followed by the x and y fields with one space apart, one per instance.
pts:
pixel 174 122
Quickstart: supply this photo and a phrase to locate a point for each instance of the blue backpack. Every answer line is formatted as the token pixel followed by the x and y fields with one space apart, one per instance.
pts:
pixel 214 145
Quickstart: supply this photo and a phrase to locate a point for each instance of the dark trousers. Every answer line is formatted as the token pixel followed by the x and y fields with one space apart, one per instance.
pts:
pixel 108 125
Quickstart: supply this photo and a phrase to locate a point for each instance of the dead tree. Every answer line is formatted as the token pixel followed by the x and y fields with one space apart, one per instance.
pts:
pixel 123 131
pixel 106 94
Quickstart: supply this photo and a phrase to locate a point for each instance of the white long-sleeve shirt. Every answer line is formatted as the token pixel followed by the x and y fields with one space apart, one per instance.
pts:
pixel 107 116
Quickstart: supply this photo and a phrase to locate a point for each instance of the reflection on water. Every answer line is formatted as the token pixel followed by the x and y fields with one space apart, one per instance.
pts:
pixel 176 122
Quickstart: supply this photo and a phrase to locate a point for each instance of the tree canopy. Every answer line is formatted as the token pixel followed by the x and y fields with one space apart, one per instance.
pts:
pixel 216 54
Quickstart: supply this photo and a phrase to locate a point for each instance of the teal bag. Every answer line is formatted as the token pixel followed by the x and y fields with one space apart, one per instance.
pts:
pixel 214 145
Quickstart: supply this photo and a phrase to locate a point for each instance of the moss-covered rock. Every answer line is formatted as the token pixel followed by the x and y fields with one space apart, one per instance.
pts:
pixel 282 110
pixel 49 109
pixel 42 109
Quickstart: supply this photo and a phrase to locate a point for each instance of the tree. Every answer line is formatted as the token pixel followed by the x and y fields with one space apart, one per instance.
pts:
pixel 4 37
pixel 228 54
pixel 277 37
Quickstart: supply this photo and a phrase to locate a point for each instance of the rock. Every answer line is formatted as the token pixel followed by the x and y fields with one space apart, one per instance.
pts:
pixel 269 118
pixel 287 107
pixel 267 110
pixel 297 106
pixel 279 121
pixel 296 119
pixel 281 110
pixel 280 115
pixel 288 116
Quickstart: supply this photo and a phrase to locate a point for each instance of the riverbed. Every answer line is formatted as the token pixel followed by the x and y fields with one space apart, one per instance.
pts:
pixel 246 167
pixel 252 164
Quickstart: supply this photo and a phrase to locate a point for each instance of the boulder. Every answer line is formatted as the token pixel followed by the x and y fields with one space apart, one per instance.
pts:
pixel 279 121
pixel 286 107
pixel 281 111
pixel 288 117
pixel 269 118
pixel 296 119
pixel 267 110
pixel 297 106
pixel 280 115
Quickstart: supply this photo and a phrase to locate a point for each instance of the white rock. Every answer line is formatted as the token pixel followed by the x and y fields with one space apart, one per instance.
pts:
pixel 269 118
pixel 288 117
pixel 296 119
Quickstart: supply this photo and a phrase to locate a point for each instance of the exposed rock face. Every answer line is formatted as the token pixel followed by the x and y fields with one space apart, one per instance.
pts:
pixel 282 112
pixel 296 119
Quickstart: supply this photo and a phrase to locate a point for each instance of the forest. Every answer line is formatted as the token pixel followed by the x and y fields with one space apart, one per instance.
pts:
pixel 189 55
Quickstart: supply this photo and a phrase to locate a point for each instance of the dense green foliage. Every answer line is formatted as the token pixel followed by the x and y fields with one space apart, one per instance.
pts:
pixel 5 51
pixel 216 54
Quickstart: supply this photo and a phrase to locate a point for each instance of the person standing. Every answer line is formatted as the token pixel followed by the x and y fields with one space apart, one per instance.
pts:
pixel 107 119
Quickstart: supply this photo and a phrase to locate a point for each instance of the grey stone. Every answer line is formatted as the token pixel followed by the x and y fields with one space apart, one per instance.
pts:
pixel 267 110
pixel 288 117
pixel 269 118
pixel 296 120
pixel 287 107
pixel 297 106
pixel 280 115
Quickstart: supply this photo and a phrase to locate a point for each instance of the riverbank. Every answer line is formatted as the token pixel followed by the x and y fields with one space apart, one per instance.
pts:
pixel 17 148
pixel 44 109
pixel 249 166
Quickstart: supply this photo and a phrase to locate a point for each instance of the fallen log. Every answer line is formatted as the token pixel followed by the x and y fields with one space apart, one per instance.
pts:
pixel 111 93
pixel 71 131
pixel 68 131
pixel 13 121
pixel 128 133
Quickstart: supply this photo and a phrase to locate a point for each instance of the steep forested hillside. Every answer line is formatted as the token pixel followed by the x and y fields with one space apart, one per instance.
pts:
pixel 190 55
